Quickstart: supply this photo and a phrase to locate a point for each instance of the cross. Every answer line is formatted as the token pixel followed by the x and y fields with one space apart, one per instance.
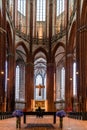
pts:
pixel 40 86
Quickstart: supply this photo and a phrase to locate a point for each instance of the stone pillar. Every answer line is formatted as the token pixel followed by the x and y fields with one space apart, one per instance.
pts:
pixel 81 52
pixel 10 89
pixel 11 64
pixel 29 83
pixel 11 71
pixel 82 71
pixel 50 26
pixel 69 81
pixel 2 53
pixel 31 24
pixel 50 65
pixel 29 91
pixel 50 86
pixel 78 47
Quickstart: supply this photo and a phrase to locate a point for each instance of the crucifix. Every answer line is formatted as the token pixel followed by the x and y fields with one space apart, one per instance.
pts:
pixel 40 86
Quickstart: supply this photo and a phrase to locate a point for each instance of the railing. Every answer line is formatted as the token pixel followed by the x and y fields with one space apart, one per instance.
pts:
pixel 42 114
pixel 59 35
pixel 44 40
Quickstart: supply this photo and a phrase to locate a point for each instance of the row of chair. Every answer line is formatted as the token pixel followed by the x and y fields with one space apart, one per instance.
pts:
pixel 78 115
pixel 5 115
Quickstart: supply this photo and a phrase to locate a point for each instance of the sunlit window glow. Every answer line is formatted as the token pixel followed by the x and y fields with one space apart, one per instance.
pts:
pixel 22 7
pixel 63 83
pixel 6 71
pixel 38 81
pixel 74 79
pixel 17 83
pixel 45 87
pixel 41 10
pixel 60 7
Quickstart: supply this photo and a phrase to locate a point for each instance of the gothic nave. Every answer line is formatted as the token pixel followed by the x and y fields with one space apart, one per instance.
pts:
pixel 43 55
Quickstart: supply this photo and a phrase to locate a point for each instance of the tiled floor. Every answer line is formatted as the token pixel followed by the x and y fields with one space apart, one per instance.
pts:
pixel 68 123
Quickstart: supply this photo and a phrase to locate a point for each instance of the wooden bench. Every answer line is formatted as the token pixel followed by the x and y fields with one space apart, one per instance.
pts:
pixel 44 113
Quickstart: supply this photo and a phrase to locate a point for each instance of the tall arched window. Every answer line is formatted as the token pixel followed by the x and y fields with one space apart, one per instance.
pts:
pixel 22 7
pixel 71 7
pixel 6 76
pixel 41 10
pixel 20 86
pixel 21 15
pixel 45 87
pixel 17 83
pixel 38 81
pixel 60 7
pixel 11 8
pixel 74 79
pixel 20 77
pixel 60 15
pixel 62 89
pixel 41 19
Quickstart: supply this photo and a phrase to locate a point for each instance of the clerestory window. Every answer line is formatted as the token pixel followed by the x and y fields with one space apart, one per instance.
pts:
pixel 60 7
pixel 22 7
pixel 41 10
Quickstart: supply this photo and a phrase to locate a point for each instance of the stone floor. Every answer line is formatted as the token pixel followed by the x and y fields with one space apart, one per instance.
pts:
pixel 68 123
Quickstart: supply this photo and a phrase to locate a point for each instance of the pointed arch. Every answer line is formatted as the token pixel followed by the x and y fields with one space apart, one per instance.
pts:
pixel 21 43
pixel 40 49
pixel 72 42
pixel 9 37
pixel 57 46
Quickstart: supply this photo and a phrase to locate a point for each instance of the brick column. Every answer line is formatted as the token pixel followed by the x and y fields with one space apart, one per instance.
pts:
pixel 29 91
pixel 2 54
pixel 50 26
pixel 50 65
pixel 69 81
pixel 50 86
pixel 29 83
pixel 11 64
pixel 11 70
pixel 10 86
pixel 81 58
pixel 82 69
pixel 31 24
pixel 78 47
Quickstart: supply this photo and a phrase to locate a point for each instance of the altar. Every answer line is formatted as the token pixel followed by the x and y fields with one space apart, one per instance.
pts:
pixel 38 103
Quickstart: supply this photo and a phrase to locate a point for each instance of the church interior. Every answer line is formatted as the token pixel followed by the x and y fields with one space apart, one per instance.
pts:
pixel 43 55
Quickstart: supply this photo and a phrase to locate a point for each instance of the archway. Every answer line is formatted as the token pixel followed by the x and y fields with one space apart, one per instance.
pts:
pixel 59 75
pixel 40 67
pixel 21 57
